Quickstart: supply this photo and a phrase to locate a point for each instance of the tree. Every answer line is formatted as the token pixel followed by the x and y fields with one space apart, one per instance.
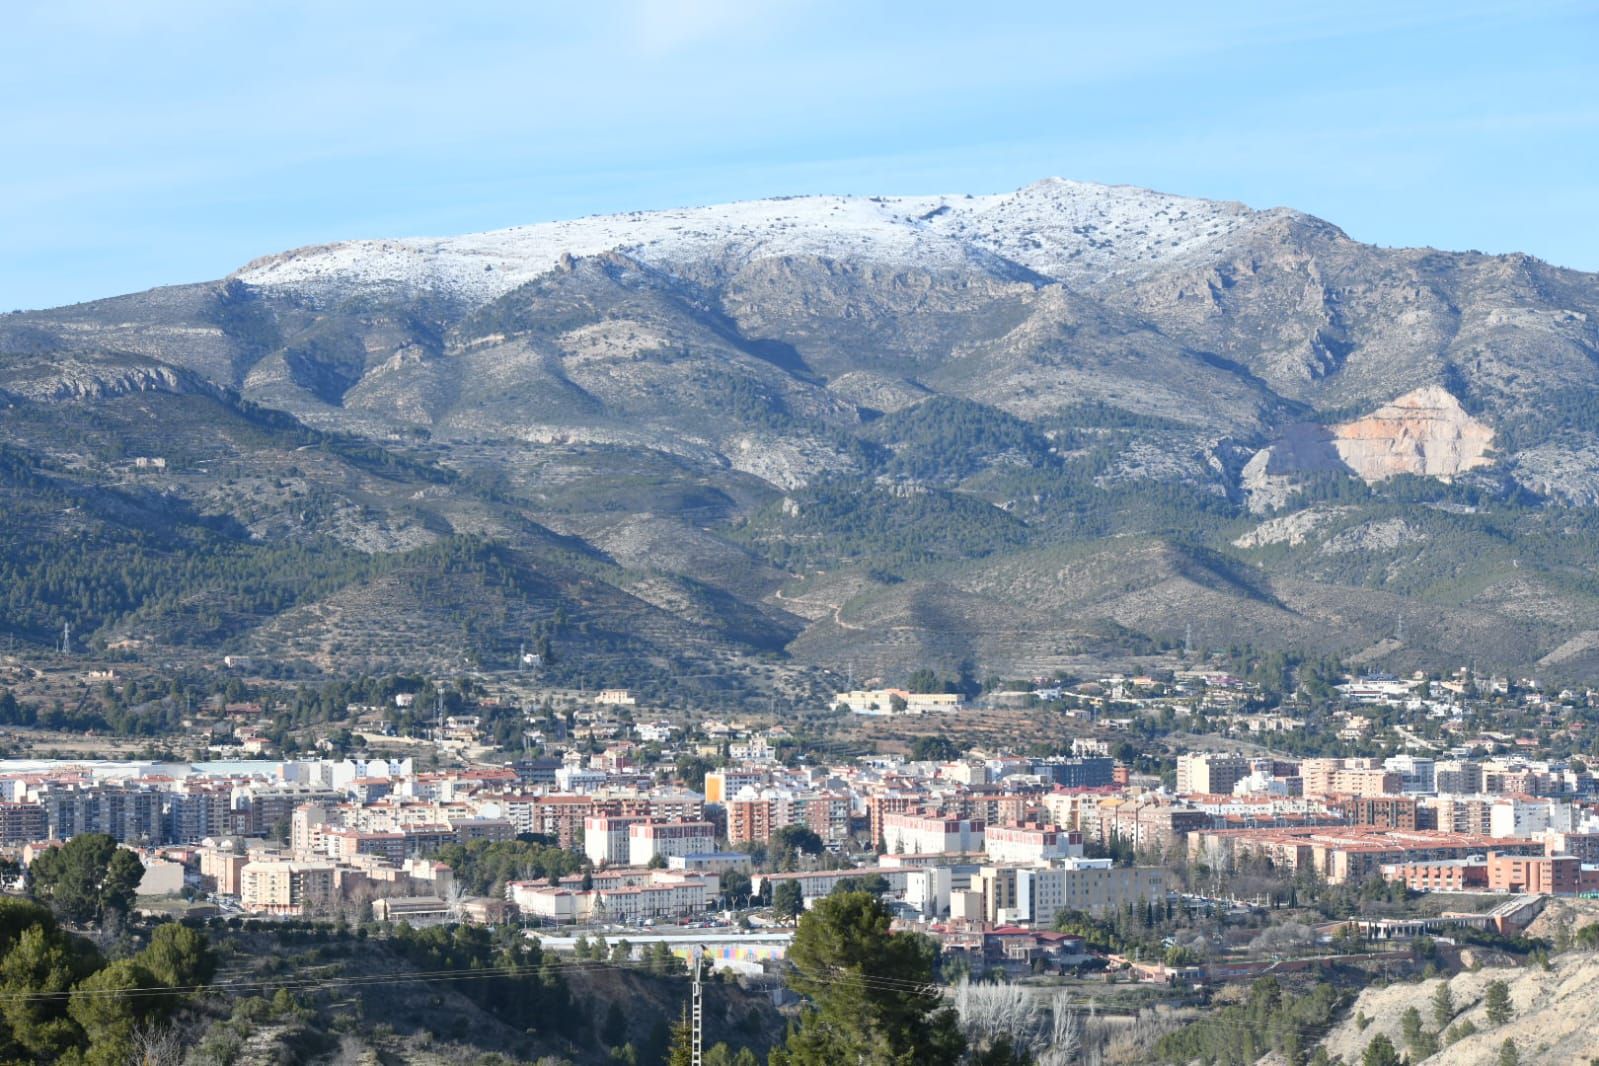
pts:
pixel 735 885
pixel 934 749
pixel 86 878
pixel 1380 1052
pixel 179 957
pixel 682 1048
pixel 796 839
pixel 870 992
pixel 41 960
pixel 1508 1055
pixel 1443 1006
pixel 788 901
pixel 613 1032
pixel 111 1005
pixel 1410 1027
pixel 1496 1003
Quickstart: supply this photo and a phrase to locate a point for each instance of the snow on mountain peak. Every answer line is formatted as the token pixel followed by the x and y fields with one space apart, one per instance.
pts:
pixel 1069 230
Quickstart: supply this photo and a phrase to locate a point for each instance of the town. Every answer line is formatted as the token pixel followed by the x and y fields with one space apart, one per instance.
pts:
pixel 599 816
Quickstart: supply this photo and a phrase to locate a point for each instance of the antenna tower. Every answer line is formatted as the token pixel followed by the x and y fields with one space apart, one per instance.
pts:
pixel 698 1058
pixel 1188 641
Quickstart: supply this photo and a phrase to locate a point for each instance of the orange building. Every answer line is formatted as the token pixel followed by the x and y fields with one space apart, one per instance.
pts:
pixel 1555 875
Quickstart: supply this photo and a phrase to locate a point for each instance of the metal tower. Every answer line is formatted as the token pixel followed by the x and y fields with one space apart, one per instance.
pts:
pixel 698 1058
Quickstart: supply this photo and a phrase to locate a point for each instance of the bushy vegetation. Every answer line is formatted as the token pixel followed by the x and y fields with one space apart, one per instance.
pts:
pixel 483 868
pixel 1272 1019
pixel 61 1001
pixel 946 439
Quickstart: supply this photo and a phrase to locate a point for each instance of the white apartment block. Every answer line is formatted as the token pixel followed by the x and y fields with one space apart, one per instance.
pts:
pixel 891 701
pixel 928 889
pixel 605 839
pixel 650 840
pixel 667 896
pixel 1517 816
pixel 1036 894
pixel 926 834
pixel 817 883
pixel 1029 844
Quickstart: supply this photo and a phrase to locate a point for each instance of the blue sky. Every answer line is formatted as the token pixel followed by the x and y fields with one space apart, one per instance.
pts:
pixel 158 142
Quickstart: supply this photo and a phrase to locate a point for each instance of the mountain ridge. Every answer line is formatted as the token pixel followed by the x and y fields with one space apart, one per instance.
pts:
pixel 903 413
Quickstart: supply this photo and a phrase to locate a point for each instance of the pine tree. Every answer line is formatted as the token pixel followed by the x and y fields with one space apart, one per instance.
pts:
pixel 870 991
pixel 1443 1006
pixel 1496 1002
pixel 1380 1052
pixel 682 1050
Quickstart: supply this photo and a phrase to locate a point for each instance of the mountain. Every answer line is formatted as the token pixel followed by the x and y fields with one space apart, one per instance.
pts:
pixel 1051 429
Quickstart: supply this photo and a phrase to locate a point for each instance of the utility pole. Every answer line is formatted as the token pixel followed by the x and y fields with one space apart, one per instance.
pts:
pixel 698 1058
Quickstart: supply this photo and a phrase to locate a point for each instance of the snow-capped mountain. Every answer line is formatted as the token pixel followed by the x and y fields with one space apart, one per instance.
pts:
pixel 1063 230
pixel 1020 431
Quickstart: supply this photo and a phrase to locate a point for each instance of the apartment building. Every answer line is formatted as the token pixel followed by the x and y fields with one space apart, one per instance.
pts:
pixel 199 810
pixel 605 840
pixel 1029 844
pixel 723 785
pixel 286 887
pixel 23 823
pixel 129 814
pixel 1035 894
pixel 1387 812
pixel 924 834
pixel 648 841
pixel 1210 772
pixel 1352 853
pixel 668 895
pixel 815 884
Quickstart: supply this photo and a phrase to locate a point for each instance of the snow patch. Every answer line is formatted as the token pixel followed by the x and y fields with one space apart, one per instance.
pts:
pixel 1067 230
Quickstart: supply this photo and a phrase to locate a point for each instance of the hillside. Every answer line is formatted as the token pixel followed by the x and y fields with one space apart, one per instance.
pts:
pixel 1007 434
pixel 1550 1027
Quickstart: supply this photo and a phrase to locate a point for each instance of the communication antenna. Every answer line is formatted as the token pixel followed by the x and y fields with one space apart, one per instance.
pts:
pixel 698 1057
pixel 1188 641
pixel 1399 630
pixel 66 638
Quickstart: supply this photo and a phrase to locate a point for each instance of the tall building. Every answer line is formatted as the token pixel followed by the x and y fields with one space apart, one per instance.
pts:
pixel 129 814
pixel 1035 894
pixel 647 841
pixel 1085 772
pixel 1210 772
pixel 605 838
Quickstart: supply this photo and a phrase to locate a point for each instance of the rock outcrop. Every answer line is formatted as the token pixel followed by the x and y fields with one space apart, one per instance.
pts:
pixel 1424 432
